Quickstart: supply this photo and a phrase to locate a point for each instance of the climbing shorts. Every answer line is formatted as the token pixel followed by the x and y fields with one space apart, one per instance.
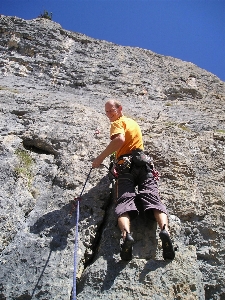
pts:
pixel 137 190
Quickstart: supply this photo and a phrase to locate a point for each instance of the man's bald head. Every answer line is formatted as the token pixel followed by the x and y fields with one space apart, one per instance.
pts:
pixel 113 109
pixel 113 102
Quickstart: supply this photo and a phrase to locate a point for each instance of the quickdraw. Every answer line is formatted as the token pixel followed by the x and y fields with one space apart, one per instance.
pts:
pixel 156 174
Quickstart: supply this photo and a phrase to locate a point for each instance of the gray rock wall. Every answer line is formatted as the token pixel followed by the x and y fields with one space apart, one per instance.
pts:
pixel 52 92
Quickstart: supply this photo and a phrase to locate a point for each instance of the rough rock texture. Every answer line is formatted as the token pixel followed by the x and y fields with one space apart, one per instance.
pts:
pixel 53 87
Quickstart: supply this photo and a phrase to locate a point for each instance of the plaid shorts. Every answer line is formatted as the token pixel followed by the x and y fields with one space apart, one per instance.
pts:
pixel 147 198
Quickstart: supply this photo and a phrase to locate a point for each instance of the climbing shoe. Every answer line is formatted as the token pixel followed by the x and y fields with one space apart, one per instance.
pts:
pixel 126 247
pixel 168 249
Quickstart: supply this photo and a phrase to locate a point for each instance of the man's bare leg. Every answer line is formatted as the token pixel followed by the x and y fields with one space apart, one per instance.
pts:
pixel 124 224
pixel 124 221
pixel 161 219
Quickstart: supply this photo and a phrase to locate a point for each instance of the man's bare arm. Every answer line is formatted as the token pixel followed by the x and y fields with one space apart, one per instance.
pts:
pixel 115 144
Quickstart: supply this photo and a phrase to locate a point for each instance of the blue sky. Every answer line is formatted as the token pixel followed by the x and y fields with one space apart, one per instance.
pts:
pixel 192 30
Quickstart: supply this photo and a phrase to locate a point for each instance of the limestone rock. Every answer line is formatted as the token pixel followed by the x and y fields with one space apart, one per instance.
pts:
pixel 53 87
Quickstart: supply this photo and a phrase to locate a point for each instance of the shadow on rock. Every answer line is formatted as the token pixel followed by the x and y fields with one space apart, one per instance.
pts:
pixel 37 284
pixel 107 267
pixel 59 224
pixel 56 224
pixel 151 266
pixel 143 229
pixel 117 267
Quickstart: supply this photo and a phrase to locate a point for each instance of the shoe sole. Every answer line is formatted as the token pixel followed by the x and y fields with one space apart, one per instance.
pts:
pixel 168 250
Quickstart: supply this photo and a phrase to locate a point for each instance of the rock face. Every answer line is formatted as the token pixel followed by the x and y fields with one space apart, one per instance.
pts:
pixel 53 87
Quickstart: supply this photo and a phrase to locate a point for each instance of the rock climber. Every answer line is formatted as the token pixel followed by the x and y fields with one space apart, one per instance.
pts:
pixel 133 168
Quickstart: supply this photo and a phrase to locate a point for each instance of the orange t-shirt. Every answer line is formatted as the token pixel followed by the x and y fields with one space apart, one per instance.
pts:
pixel 132 132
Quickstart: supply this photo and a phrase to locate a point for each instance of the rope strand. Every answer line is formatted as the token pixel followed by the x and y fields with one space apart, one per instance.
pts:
pixel 76 237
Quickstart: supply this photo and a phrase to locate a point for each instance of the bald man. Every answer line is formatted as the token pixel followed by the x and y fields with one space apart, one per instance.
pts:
pixel 133 169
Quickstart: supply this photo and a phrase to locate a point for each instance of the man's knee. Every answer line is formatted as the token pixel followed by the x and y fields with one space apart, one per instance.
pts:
pixel 124 215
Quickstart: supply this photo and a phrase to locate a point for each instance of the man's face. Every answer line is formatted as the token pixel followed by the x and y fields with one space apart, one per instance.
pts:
pixel 113 112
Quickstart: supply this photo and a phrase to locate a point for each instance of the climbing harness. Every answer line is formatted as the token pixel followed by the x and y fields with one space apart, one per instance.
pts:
pixel 77 201
pixel 138 157
pixel 123 164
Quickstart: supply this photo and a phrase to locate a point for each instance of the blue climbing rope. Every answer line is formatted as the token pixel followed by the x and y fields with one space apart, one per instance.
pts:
pixel 76 238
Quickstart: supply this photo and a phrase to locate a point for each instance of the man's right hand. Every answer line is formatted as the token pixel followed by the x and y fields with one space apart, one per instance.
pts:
pixel 97 162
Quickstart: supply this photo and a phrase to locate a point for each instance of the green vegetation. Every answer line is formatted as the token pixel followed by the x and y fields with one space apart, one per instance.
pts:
pixel 170 124
pixel 183 127
pixel 220 131
pixel 25 164
pixel 46 15
pixel 5 88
